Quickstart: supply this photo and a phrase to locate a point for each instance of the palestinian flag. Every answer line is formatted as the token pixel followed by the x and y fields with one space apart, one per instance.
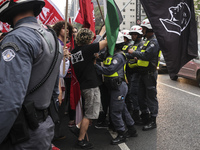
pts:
pixel 112 22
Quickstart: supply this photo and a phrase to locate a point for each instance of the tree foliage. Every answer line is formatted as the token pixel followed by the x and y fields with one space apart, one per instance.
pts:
pixel 98 17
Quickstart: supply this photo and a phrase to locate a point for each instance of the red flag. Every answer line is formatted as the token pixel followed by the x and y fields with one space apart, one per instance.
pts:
pixel 4 27
pixel 78 18
pixel 50 14
pixel 75 92
pixel 86 7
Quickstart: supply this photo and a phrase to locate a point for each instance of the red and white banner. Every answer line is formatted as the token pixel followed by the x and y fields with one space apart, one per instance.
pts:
pixel 4 27
pixel 50 14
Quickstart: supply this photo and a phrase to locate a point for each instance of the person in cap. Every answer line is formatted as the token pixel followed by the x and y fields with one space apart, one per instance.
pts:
pixel 114 78
pixel 133 75
pixel 127 40
pixel 82 58
pixel 147 60
pixel 29 60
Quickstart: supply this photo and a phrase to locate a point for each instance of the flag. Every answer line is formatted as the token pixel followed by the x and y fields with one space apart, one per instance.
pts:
pixel 78 18
pixel 50 14
pixel 4 27
pixel 75 92
pixel 87 14
pixel 174 24
pixel 112 22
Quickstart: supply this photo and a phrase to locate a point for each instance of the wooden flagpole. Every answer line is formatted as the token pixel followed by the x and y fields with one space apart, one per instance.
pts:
pixel 100 11
pixel 65 38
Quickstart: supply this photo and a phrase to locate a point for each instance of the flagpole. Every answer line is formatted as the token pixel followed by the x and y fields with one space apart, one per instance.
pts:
pixel 100 11
pixel 125 5
pixel 65 38
pixel 120 11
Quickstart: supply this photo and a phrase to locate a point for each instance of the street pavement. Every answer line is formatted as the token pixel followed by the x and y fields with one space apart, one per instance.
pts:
pixel 178 122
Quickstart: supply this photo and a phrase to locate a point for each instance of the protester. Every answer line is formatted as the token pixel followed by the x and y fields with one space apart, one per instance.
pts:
pixel 59 28
pixel 29 70
pixel 102 121
pixel 82 58
pixel 114 74
pixel 147 61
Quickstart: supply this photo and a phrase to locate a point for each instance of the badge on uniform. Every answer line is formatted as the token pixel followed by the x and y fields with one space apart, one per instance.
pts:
pixel 152 45
pixel 115 61
pixel 8 55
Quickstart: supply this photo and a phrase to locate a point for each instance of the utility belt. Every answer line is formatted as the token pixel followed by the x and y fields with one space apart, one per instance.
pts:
pixel 42 115
pixel 113 83
pixel 143 71
pixel 29 118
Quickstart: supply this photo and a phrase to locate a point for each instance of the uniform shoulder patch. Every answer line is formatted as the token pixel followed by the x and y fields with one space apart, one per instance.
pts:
pixel 115 61
pixel 8 54
pixel 152 45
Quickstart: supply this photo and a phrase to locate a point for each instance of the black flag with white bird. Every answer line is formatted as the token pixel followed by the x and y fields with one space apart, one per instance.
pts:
pixel 174 24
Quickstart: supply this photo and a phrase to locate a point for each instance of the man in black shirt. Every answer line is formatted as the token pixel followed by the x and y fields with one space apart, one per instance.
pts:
pixel 82 58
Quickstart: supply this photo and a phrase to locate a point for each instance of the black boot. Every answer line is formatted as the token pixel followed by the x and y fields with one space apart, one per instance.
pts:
pixel 145 118
pixel 136 117
pixel 131 132
pixel 121 137
pixel 151 125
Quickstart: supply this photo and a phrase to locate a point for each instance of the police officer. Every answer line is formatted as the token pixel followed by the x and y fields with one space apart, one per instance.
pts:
pixel 127 40
pixel 114 74
pixel 29 60
pixel 133 75
pixel 147 62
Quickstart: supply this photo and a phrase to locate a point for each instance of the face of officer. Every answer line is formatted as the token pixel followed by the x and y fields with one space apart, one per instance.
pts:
pixel 134 36
pixel 144 30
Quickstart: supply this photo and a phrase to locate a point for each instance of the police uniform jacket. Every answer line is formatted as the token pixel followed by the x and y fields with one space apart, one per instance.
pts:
pixel 150 54
pixel 20 50
pixel 117 63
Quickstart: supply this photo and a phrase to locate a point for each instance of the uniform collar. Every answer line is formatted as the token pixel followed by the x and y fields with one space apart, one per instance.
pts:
pixel 26 20
pixel 153 36
pixel 137 41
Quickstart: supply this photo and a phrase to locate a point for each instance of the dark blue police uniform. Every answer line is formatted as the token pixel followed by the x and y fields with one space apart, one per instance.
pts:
pixel 148 58
pixel 114 76
pixel 25 58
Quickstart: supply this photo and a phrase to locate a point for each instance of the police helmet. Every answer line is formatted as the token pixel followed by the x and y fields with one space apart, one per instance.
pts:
pixel 10 8
pixel 136 29
pixel 146 23
pixel 126 34
pixel 120 38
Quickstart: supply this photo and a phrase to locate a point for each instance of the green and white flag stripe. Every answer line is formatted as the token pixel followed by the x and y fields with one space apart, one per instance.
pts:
pixel 112 22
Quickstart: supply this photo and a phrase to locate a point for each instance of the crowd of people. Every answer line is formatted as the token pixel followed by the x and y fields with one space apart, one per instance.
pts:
pixel 117 91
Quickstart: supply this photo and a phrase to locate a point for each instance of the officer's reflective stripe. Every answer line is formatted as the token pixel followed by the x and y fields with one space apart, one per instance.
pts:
pixel 159 54
pixel 134 48
pixel 113 75
pixel 107 61
pixel 146 43
pixel 143 63
pixel 125 47
pixel 132 62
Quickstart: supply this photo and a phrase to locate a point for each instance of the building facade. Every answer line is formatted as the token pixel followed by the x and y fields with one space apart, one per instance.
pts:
pixel 132 12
